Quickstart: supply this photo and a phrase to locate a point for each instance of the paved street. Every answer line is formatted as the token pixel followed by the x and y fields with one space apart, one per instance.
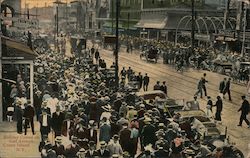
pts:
pixel 183 86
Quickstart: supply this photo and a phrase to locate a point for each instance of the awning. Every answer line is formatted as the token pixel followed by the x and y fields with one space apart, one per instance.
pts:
pixel 13 49
pixel 152 24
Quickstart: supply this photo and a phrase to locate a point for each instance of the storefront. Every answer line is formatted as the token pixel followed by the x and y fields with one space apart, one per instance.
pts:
pixel 17 59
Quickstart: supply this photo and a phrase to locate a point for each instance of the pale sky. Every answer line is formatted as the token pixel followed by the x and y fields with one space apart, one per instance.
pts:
pixel 39 3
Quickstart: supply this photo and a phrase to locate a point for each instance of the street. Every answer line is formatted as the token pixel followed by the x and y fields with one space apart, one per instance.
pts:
pixel 184 85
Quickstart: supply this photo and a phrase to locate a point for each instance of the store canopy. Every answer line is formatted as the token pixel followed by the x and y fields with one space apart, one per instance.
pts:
pixel 152 23
pixel 13 49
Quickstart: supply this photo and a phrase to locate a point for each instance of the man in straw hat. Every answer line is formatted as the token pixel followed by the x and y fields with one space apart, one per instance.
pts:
pixel 148 132
pixel 91 153
pixel 114 146
pixel 103 152
pixel 92 132
pixel 58 147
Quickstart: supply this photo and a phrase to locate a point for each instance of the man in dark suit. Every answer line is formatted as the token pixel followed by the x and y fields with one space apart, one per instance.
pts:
pixel 45 123
pixel 29 113
pixel 160 153
pixel 57 121
pixel 204 81
pixel 139 80
pixel 145 82
pixel 67 125
pixel 245 108
pixel 72 149
pixel 125 138
pixel 222 85
pixel 19 117
pixel 164 87
pixel 92 132
pixel 103 152
pixel 148 133
pixel 58 147
pixel 91 153
pixel 227 89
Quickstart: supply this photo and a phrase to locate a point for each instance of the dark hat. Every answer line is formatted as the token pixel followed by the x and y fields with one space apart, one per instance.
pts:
pixel 91 143
pixel 243 97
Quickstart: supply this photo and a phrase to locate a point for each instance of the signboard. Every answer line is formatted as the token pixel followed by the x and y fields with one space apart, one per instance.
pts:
pixel 22 23
pixel 201 37
pixel 109 39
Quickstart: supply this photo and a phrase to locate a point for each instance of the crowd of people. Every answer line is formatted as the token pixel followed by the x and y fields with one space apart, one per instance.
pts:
pixel 83 114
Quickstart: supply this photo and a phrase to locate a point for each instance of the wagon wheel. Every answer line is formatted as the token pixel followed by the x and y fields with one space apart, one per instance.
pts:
pixel 238 153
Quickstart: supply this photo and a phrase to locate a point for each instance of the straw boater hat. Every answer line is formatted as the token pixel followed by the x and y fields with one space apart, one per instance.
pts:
pixel 107 108
pixel 103 143
pixel 147 120
pixel 58 139
pixel 91 122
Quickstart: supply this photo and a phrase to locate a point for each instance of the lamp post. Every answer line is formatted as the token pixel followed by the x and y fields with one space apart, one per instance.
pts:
pixel 128 33
pixel 117 44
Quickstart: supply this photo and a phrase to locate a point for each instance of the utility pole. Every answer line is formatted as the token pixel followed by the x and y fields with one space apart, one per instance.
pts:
pixel 193 28
pixel 112 16
pixel 117 44
pixel 128 33
pixel 57 29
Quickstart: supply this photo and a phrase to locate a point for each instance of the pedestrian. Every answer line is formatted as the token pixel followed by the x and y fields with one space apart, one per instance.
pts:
pixel 145 82
pixel 209 107
pixel 139 80
pixel 129 73
pixel 164 87
pixel 97 56
pixel 57 121
pixel 114 146
pixel 123 72
pixel 58 147
pixel 199 87
pixel 19 116
pixel 157 86
pixel 29 113
pixel 148 132
pixel 222 85
pixel 125 137
pixel 105 131
pixel 92 51
pixel 92 132
pixel 204 81
pixel 219 106
pixel 91 153
pixel 45 123
pixel 245 108
pixel 103 152
pixel 227 89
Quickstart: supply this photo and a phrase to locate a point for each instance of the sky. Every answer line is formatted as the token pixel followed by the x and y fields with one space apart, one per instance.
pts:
pixel 39 3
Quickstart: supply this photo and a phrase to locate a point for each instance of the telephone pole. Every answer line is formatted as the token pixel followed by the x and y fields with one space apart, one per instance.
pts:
pixel 117 44
pixel 193 28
